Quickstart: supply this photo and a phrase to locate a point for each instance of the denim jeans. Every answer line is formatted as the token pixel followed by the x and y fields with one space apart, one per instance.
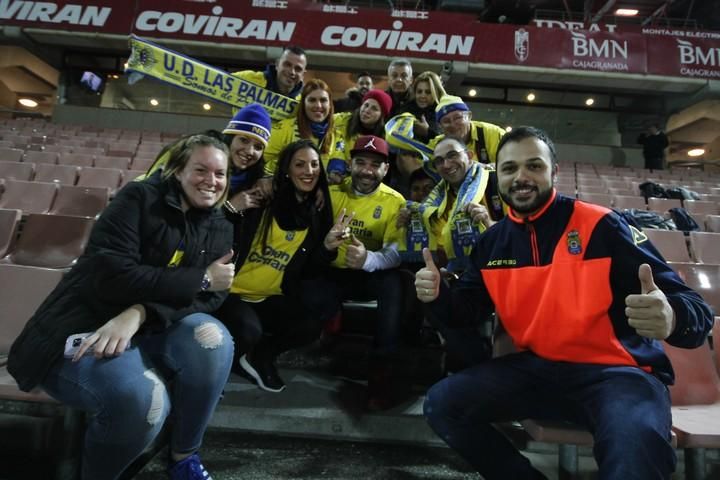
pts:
pixel 127 398
pixel 626 409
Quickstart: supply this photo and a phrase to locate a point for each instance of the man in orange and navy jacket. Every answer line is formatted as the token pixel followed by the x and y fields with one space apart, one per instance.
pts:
pixel 586 300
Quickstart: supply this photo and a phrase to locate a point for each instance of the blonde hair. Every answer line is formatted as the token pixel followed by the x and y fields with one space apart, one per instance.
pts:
pixel 436 87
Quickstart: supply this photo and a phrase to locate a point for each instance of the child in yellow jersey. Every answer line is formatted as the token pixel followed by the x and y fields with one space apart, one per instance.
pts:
pixel 293 241
pixel 366 265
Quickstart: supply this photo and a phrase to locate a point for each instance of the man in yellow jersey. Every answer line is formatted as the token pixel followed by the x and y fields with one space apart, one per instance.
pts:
pixel 455 214
pixel 366 264
pixel 285 76
pixel 455 120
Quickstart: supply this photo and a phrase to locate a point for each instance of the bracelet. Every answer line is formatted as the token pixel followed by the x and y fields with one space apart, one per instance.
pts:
pixel 231 208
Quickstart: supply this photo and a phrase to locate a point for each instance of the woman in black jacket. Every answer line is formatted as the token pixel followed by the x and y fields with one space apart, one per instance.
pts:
pixel 138 301
pixel 295 240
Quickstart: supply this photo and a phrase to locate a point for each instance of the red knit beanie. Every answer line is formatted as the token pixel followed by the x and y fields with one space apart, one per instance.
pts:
pixel 382 98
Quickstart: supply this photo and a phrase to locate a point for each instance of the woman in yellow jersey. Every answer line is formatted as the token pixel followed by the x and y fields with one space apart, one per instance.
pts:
pixel 293 241
pixel 368 119
pixel 314 121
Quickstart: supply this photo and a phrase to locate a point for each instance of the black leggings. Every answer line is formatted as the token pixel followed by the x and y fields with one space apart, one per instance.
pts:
pixel 267 328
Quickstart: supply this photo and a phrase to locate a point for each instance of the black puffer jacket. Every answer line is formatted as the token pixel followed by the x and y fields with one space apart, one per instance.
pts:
pixel 126 263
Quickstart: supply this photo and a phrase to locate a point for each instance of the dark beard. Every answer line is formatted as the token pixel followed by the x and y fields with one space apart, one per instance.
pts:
pixel 541 200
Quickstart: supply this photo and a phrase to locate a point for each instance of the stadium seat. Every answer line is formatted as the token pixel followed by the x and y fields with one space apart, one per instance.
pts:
pixel 30 197
pixel 22 289
pixel 695 405
pixel 597 198
pixel 17 171
pixel 626 202
pixel 100 177
pixel 51 241
pixel 80 201
pixel 620 191
pixel 670 243
pixel 712 223
pixel 704 279
pixel 104 161
pixel 663 204
pixel 77 159
pixel 62 174
pixel 41 157
pixel 698 208
pixel 591 188
pixel 60 149
pixel 705 247
pixel 129 176
pixel 140 163
pixel 11 155
pixel 9 220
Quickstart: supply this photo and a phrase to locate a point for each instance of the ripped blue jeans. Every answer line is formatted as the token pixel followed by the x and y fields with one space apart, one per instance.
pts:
pixel 127 398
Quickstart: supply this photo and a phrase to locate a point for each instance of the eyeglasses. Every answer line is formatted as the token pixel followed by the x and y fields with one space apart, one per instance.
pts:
pixel 451 118
pixel 452 155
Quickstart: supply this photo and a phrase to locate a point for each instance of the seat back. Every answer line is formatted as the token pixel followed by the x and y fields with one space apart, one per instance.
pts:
pixel 623 202
pixel 100 177
pixel 696 378
pixel 22 290
pixel 30 197
pixel 61 174
pixel 9 220
pixel 104 161
pixel 80 201
pixel 77 159
pixel 712 223
pixel 17 171
pixel 699 208
pixel 41 157
pixel 663 204
pixel 704 279
pixel 10 154
pixel 602 199
pixel 51 241
pixel 705 247
pixel 671 243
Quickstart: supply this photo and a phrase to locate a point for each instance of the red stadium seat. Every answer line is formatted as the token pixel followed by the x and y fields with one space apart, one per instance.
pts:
pixel 30 197
pixel 17 171
pixel 62 174
pixel 670 243
pixel 80 201
pixel 705 247
pixel 9 220
pixel 51 241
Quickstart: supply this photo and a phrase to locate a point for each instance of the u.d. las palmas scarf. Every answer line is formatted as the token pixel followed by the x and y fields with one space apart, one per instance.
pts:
pixel 152 60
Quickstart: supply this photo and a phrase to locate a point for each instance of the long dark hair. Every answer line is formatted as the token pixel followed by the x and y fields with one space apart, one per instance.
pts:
pixel 284 207
pixel 355 126
pixel 252 174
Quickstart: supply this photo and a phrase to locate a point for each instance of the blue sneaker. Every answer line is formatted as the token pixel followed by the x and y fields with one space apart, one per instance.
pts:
pixel 190 468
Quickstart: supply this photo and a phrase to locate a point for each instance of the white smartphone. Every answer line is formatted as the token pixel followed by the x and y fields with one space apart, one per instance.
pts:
pixel 73 342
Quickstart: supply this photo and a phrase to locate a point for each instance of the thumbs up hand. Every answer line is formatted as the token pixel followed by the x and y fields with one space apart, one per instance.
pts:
pixel 649 313
pixel 427 279
pixel 355 254
pixel 221 273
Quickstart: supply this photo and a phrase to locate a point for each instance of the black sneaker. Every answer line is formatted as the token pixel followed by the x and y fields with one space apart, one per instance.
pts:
pixel 264 373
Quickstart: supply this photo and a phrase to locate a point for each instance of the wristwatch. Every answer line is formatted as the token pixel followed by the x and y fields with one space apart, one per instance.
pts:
pixel 205 284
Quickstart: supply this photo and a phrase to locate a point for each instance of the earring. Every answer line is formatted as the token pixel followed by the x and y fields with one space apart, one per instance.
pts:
pixel 287 176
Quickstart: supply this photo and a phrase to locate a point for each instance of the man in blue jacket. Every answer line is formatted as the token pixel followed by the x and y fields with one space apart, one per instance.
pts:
pixel 586 300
